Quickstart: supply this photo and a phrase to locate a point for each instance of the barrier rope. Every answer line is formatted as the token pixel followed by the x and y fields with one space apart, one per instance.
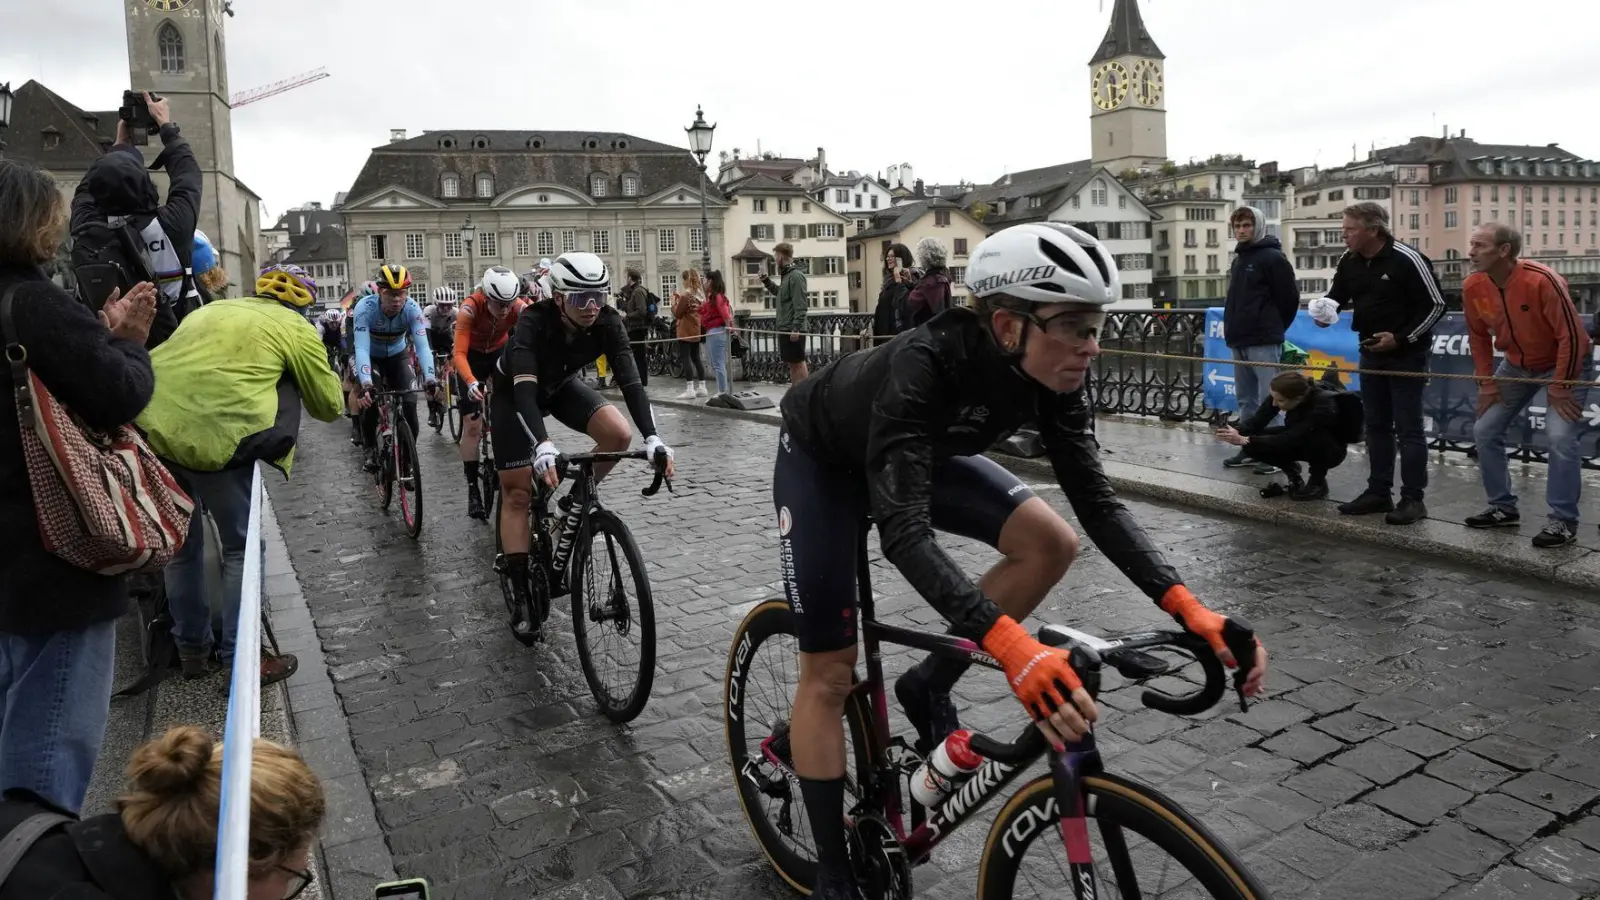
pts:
pixel 1296 367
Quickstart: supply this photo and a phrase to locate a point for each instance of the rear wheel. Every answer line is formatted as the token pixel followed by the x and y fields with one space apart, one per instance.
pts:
pixel 408 477
pixel 758 695
pixel 1147 846
pixel 488 477
pixel 452 406
pixel 386 470
pixel 615 633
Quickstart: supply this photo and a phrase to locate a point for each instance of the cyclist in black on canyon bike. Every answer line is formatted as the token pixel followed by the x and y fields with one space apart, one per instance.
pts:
pixel 898 431
pixel 538 374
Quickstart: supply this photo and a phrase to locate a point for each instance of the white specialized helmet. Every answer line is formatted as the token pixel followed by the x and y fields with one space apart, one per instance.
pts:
pixel 576 272
pixel 1043 262
pixel 502 284
pixel 444 293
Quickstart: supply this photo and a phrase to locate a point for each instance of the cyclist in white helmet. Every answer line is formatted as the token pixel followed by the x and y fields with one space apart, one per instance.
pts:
pixel 482 327
pixel 899 431
pixel 537 376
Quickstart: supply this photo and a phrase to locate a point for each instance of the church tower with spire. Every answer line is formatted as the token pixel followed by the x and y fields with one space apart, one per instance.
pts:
pixel 1127 100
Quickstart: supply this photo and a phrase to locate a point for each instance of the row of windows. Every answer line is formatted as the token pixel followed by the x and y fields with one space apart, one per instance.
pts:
pixel 1452 195
pixel 1190 266
pixel 798 232
pixel 814 300
pixel 536 243
pixel 483 183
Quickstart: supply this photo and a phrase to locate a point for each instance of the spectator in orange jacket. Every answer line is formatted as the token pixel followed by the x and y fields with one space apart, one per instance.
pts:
pixel 1523 309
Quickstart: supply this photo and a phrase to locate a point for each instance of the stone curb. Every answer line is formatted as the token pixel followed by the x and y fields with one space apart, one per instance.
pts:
pixel 353 852
pixel 1573 566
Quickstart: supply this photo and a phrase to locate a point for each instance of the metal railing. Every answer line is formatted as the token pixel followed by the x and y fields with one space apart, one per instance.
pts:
pixel 232 878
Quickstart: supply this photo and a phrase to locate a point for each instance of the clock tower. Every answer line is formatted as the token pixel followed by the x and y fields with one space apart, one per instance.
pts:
pixel 1127 97
pixel 177 49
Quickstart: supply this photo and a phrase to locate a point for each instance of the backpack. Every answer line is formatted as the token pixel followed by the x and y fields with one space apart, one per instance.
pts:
pixel 1350 424
pixel 655 302
pixel 107 254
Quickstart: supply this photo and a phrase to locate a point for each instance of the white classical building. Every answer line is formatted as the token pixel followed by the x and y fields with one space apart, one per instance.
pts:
pixel 527 195
pixel 763 212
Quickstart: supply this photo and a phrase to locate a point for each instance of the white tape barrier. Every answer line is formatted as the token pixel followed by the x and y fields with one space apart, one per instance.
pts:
pixel 244 720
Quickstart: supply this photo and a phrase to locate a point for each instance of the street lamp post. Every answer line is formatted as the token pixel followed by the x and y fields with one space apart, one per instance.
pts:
pixel 700 144
pixel 468 230
pixel 5 115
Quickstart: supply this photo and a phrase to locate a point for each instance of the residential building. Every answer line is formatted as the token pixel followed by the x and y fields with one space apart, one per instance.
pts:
pixel 1193 241
pixel 1312 235
pixel 529 194
pixel 804 172
pixel 907 224
pixel 323 256
pixel 298 222
pixel 1127 96
pixel 179 53
pixel 1082 194
pixel 855 195
pixel 764 212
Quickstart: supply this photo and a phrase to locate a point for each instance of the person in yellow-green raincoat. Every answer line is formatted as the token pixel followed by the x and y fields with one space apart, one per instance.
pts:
pixel 230 383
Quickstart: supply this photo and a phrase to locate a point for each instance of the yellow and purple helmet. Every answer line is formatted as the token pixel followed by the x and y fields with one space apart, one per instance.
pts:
pixel 287 283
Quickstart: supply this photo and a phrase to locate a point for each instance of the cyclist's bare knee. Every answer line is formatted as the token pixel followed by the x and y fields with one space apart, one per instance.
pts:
pixel 516 487
pixel 609 430
pixel 828 677
pixel 1038 539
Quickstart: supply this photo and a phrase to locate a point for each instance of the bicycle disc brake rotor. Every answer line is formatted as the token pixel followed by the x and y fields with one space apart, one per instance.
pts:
pixel 882 869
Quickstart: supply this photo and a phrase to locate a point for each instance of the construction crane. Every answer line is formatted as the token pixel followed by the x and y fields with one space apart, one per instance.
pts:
pixel 244 98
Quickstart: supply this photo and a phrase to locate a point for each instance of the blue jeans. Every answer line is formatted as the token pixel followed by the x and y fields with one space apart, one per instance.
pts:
pixel 225 496
pixel 1394 416
pixel 1250 384
pixel 717 349
pixel 57 689
pixel 1565 468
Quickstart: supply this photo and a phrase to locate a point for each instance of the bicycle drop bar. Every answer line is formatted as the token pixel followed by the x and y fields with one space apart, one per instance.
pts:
pixel 585 460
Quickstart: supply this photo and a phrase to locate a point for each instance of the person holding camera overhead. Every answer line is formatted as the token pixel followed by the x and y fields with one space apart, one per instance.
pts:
pixel 1391 287
pixel 117 203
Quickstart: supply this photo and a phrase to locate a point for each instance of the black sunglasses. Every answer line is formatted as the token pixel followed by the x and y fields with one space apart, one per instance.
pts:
pixel 298 884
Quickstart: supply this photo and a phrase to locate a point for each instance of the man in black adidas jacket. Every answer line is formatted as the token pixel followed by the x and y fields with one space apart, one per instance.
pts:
pixel 117 185
pixel 1396 301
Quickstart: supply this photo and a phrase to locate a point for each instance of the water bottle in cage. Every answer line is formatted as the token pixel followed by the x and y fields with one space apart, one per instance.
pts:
pixel 946 767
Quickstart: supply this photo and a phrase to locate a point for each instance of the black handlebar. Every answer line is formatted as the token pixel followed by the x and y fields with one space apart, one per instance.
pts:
pixel 587 460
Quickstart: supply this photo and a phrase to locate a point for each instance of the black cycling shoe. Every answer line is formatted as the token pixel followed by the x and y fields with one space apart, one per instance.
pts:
pixel 475 503
pixel 931 713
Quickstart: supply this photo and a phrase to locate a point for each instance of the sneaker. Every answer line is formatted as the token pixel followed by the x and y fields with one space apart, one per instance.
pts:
pixel 688 393
pixel 1238 461
pixel 1408 512
pixel 475 502
pixel 1265 469
pixel 1556 534
pixel 932 714
pixel 700 390
pixel 1366 504
pixel 1311 490
pixel 1494 517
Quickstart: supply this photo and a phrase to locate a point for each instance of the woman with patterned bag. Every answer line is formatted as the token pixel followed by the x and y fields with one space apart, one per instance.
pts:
pixel 61 592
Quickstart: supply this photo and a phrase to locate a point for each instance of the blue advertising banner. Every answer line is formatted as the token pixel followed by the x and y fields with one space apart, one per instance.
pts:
pixel 1449 405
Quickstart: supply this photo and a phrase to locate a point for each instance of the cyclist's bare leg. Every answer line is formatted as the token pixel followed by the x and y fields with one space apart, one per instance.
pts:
pixel 471 434
pixel 816 735
pixel 1036 546
pixel 516 495
pixel 611 434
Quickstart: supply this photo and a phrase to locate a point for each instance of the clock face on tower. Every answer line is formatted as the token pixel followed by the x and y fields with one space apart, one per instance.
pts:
pixel 1111 83
pixel 1147 83
pixel 167 5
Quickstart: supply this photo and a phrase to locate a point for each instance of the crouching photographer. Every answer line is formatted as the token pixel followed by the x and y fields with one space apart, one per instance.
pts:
pixel 1319 418
pixel 123 234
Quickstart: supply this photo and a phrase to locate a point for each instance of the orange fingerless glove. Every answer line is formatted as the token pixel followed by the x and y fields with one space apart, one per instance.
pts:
pixel 1195 619
pixel 1040 676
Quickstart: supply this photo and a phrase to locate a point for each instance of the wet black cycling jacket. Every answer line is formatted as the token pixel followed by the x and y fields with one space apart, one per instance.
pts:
pixel 943 389
pixel 541 347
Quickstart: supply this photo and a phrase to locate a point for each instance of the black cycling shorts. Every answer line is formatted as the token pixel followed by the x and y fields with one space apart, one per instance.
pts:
pixel 792 350
pixel 821 510
pixel 442 343
pixel 482 365
pixel 394 373
pixel 572 403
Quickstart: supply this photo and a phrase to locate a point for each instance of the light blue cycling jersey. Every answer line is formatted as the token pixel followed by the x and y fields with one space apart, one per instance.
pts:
pixel 378 336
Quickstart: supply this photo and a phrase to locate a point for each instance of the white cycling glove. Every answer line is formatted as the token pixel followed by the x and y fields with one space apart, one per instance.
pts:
pixel 475 391
pixel 652 444
pixel 544 458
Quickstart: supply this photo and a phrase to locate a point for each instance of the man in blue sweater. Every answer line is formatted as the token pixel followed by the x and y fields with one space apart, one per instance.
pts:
pixel 1262 302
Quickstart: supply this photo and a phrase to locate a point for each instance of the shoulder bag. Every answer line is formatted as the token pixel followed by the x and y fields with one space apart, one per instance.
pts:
pixel 103 501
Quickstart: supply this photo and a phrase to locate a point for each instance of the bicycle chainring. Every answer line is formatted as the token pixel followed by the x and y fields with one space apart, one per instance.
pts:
pixel 883 871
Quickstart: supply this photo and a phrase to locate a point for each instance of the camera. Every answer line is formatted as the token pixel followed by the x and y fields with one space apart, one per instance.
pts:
pixel 135 110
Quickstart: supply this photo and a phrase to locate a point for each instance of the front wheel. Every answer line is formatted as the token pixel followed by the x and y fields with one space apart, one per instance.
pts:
pixel 452 407
pixel 616 636
pixel 1169 847
pixel 408 478
pixel 757 705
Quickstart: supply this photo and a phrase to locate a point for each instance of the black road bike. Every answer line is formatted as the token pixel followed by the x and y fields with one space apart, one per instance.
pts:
pixel 587 552
pixel 1039 844
pixel 399 470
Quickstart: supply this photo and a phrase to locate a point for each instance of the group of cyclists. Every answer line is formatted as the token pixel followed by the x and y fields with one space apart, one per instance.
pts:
pixel 896 432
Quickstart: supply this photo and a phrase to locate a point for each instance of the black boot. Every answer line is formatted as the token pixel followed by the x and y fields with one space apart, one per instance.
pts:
pixel 522 623
pixel 1315 489
pixel 475 502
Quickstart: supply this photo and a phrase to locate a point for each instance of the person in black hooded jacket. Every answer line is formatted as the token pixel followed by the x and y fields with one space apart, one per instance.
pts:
pixel 1309 433
pixel 890 317
pixel 117 185
pixel 1262 302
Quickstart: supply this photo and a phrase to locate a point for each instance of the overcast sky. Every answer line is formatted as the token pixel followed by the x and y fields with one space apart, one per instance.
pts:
pixel 958 93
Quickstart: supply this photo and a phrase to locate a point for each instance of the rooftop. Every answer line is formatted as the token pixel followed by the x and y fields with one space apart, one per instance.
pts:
pixel 1126 35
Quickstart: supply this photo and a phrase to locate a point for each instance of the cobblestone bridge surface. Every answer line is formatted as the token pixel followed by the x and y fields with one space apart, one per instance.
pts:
pixel 1430 730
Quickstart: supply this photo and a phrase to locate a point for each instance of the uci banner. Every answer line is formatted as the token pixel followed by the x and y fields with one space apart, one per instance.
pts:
pixel 1449 405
